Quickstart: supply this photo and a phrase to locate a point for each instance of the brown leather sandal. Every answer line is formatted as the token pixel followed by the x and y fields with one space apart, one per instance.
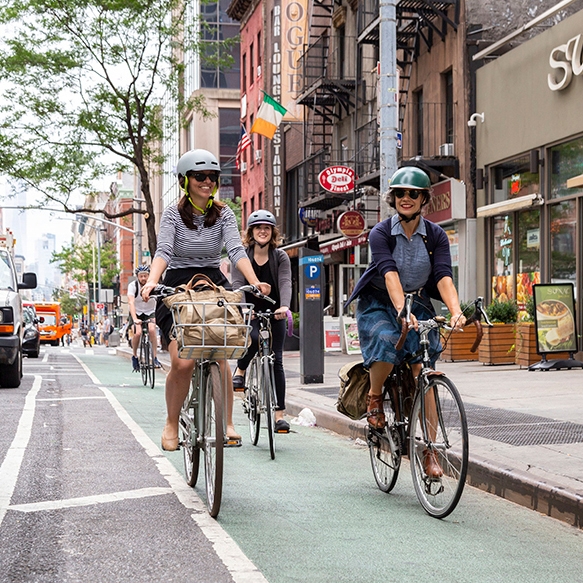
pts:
pixel 375 414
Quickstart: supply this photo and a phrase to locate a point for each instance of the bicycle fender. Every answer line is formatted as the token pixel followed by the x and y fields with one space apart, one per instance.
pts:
pixel 435 373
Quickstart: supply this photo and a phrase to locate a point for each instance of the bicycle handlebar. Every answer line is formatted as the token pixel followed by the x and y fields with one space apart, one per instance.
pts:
pixel 163 291
pixel 405 318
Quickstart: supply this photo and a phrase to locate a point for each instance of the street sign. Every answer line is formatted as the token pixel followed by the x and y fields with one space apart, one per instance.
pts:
pixel 100 306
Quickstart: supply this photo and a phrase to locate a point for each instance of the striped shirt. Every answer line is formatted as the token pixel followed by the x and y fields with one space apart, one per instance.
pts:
pixel 182 247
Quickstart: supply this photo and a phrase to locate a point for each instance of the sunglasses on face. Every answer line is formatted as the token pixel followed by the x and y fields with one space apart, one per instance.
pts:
pixel 201 176
pixel 412 194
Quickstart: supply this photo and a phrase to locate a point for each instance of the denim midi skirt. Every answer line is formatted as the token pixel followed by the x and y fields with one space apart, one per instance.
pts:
pixel 378 330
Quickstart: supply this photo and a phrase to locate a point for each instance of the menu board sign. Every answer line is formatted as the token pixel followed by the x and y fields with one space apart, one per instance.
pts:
pixel 555 317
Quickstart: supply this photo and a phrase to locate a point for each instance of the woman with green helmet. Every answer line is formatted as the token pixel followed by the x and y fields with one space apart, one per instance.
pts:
pixel 409 255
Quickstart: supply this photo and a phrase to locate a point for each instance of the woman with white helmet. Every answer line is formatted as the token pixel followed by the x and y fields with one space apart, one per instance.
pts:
pixel 273 266
pixel 192 235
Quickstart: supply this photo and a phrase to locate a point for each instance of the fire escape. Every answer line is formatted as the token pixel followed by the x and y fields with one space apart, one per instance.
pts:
pixel 328 95
pixel 419 22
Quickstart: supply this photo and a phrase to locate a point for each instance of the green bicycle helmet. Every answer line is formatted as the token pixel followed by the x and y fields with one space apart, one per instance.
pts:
pixel 410 177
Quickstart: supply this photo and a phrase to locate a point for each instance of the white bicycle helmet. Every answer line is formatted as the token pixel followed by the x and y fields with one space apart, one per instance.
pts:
pixel 261 217
pixel 196 161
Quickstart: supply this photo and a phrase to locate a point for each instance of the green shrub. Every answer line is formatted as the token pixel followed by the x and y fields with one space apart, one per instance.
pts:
pixel 505 312
pixel 296 320
pixel 529 309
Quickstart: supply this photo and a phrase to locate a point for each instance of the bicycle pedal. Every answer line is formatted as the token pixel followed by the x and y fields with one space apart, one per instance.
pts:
pixel 230 442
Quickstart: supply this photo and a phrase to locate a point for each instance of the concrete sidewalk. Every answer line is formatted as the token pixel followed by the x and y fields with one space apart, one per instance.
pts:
pixel 526 435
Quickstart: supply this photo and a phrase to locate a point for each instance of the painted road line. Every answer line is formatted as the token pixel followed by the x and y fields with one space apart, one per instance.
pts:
pixel 237 563
pixel 90 500
pixel 10 467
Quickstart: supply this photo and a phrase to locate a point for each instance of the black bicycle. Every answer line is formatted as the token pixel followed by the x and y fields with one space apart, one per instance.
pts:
pixel 146 358
pixel 425 417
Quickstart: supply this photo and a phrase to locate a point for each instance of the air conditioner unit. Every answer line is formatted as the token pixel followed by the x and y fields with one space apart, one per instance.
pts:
pixel 243 167
pixel 446 150
pixel 257 155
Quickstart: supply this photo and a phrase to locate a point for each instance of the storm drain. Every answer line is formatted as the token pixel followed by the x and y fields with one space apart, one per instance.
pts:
pixel 520 428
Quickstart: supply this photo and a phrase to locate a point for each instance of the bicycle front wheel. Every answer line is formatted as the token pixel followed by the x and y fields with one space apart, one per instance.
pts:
pixel 384 447
pixel 188 433
pixel 268 392
pixel 144 360
pixel 252 401
pixel 443 435
pixel 213 438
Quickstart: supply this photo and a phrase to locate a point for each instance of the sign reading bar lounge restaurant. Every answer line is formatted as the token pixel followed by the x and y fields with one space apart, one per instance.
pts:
pixel 337 179
pixel 555 317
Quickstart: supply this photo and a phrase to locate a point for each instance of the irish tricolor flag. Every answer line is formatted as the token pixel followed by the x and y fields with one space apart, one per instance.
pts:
pixel 268 118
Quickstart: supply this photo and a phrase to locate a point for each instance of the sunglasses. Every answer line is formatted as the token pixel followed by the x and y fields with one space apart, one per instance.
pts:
pixel 201 176
pixel 412 194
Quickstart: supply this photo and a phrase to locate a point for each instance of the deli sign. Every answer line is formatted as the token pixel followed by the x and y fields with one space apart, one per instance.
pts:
pixel 337 179
pixel 567 61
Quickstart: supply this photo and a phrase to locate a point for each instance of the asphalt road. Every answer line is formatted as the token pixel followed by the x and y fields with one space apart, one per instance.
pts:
pixel 86 495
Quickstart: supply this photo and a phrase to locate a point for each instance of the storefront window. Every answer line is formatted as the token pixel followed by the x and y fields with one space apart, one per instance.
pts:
pixel 563 242
pixel 453 236
pixel 513 179
pixel 566 162
pixel 528 255
pixel 503 269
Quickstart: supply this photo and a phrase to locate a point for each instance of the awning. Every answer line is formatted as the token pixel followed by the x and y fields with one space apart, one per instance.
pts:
pixel 344 243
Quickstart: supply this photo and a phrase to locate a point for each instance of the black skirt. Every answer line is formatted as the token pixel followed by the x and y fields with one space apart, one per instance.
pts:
pixel 176 277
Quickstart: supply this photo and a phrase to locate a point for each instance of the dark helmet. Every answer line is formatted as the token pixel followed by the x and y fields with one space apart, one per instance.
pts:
pixel 142 269
pixel 196 161
pixel 410 177
pixel 261 217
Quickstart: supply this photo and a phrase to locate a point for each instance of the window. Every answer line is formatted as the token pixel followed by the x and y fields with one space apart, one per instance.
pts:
pixel 229 132
pixel 251 65
pixel 260 200
pixel 259 53
pixel 563 242
pixel 418 121
pixel 566 162
pixel 513 179
pixel 253 204
pixel 448 112
pixel 244 73
pixel 528 246
pixel 216 27
pixel 503 268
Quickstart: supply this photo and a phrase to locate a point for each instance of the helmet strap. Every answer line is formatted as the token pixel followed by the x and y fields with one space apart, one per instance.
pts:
pixel 209 204
pixel 405 219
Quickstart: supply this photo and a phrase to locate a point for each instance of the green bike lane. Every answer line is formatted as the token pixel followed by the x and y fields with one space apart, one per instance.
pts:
pixel 315 514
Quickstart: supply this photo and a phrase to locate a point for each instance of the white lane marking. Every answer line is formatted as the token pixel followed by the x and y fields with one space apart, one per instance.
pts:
pixel 90 500
pixel 46 358
pixel 71 398
pixel 10 467
pixel 237 563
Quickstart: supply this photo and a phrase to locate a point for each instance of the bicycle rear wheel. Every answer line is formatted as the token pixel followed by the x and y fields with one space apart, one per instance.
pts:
pixel 151 367
pixel 252 401
pixel 213 438
pixel 268 392
pixel 385 450
pixel 439 496
pixel 188 434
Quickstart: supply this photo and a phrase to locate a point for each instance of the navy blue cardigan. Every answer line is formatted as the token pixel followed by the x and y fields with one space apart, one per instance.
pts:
pixel 382 244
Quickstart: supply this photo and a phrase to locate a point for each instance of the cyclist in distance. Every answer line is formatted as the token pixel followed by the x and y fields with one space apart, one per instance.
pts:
pixel 273 266
pixel 192 235
pixel 409 255
pixel 142 309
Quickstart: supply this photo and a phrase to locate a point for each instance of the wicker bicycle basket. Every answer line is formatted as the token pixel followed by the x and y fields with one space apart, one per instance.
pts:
pixel 211 330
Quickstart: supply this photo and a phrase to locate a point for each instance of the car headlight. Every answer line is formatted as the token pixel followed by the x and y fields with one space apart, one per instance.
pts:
pixel 29 334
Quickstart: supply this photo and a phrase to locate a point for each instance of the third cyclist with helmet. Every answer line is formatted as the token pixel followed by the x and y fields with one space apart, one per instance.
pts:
pixel 272 266
pixel 192 235
pixel 409 255
pixel 142 310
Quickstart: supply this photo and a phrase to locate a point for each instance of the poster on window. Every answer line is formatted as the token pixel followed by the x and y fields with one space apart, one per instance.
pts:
pixel 350 336
pixel 555 317
pixel 332 341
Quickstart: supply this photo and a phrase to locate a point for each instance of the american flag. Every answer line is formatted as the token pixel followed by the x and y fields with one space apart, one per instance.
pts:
pixel 244 142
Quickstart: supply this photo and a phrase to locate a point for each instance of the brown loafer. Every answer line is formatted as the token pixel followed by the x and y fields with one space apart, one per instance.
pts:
pixel 431 464
pixel 375 414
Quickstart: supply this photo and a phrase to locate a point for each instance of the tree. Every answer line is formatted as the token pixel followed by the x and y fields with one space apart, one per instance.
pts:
pixel 82 83
pixel 80 262
pixel 72 305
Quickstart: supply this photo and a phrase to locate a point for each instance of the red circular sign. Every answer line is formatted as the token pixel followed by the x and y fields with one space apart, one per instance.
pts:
pixel 337 179
pixel 351 224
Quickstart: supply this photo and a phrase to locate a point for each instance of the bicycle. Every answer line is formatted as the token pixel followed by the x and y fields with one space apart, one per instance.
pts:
pixel 201 425
pixel 260 396
pixel 146 357
pixel 425 416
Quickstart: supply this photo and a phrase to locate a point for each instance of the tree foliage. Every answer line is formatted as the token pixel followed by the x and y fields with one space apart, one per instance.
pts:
pixel 82 84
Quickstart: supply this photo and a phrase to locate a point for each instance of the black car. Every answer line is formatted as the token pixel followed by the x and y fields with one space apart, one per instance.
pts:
pixel 31 341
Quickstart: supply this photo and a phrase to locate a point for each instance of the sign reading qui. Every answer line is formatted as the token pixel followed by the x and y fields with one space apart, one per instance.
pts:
pixel 555 317
pixel 338 179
